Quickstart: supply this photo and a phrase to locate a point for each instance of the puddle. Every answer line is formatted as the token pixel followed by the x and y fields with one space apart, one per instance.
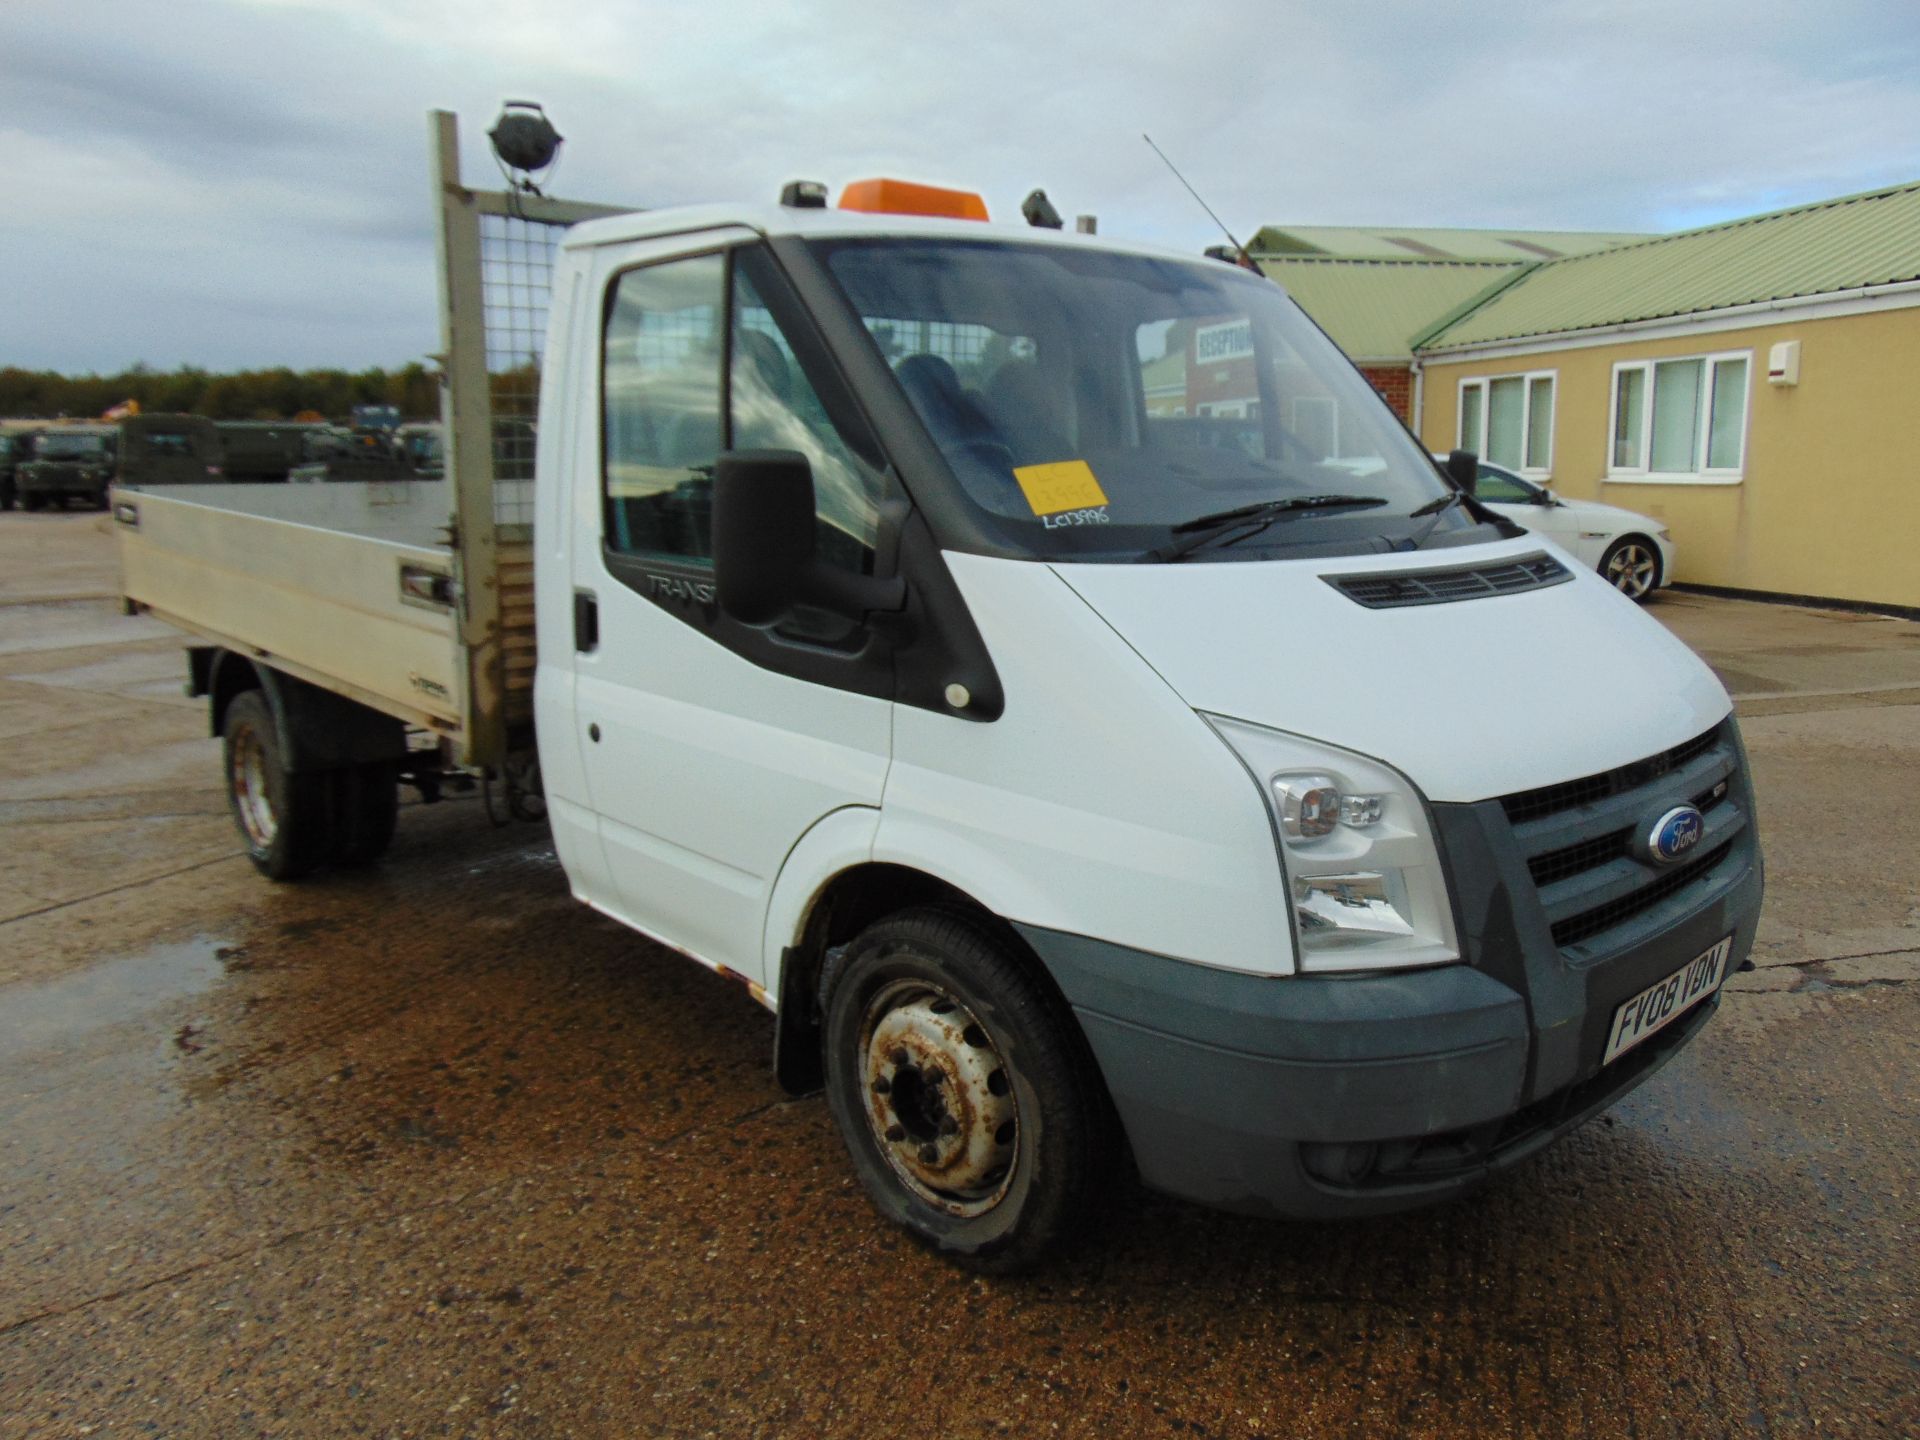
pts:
pixel 53 1014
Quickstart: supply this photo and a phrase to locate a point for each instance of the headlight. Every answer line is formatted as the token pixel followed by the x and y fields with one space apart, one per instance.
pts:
pixel 1361 866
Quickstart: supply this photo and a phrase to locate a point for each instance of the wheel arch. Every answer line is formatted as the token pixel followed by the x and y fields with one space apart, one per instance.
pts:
pixel 839 908
pixel 316 729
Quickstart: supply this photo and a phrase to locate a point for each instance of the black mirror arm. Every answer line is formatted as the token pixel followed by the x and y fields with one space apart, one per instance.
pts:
pixel 851 596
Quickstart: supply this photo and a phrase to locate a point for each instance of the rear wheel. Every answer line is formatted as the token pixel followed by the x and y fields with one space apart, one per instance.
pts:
pixel 32 500
pixel 964 1091
pixel 366 809
pixel 283 818
pixel 1632 566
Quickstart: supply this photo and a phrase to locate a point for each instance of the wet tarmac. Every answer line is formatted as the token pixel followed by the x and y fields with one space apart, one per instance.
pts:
pixel 432 1150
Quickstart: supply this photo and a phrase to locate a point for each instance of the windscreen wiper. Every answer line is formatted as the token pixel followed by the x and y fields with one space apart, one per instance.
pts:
pixel 1253 519
pixel 1435 508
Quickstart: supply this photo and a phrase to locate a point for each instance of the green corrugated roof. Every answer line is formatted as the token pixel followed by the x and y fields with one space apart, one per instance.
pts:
pixel 1819 249
pixel 1404 242
pixel 1373 309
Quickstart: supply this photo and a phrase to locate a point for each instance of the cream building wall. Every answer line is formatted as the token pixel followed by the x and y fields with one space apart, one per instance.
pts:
pixel 1828 504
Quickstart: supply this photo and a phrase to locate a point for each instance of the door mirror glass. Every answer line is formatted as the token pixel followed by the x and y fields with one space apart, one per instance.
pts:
pixel 762 532
pixel 764 560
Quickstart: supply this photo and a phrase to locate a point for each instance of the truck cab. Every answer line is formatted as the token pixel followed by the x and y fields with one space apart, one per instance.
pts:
pixel 69 462
pixel 1044 672
pixel 169 449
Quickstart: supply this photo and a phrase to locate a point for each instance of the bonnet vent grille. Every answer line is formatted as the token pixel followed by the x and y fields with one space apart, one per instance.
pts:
pixel 1442 587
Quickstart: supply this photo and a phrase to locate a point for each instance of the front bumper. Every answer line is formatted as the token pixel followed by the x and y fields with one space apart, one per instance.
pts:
pixel 62 481
pixel 1315 1096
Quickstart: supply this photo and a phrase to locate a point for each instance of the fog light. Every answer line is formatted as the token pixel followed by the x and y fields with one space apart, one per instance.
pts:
pixel 1357 908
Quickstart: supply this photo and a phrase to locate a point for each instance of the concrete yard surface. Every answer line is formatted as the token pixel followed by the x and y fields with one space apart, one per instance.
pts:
pixel 430 1149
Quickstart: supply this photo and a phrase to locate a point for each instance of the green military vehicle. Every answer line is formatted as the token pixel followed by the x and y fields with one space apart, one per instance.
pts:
pixel 422 450
pixel 69 462
pixel 15 446
pixel 264 450
pixel 165 449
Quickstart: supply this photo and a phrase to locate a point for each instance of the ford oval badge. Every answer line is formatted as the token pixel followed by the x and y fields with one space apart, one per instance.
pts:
pixel 1675 833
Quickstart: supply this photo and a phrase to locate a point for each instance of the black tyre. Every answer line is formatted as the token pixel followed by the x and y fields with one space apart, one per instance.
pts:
pixel 1632 566
pixel 6 496
pixel 366 804
pixel 284 820
pixel 964 1090
pixel 32 500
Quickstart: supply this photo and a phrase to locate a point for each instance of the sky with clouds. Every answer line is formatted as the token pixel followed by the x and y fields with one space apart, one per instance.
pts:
pixel 243 182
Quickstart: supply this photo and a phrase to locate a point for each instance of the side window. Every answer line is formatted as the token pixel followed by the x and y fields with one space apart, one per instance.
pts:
pixel 773 406
pixel 660 380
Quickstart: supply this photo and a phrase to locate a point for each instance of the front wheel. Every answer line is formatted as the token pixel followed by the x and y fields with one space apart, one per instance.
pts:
pixel 964 1091
pixel 1632 566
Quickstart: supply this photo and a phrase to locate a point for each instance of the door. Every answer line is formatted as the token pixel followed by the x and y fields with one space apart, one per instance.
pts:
pixel 710 747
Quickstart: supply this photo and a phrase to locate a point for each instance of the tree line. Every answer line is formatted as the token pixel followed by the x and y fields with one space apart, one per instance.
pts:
pixel 275 394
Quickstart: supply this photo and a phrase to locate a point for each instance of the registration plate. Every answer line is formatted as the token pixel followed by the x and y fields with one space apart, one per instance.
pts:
pixel 1665 1001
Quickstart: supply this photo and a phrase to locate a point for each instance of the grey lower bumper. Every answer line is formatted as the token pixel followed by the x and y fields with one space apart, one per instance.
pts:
pixel 1253 1093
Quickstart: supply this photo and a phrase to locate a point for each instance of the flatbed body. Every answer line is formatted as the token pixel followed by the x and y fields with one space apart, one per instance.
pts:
pixel 350 586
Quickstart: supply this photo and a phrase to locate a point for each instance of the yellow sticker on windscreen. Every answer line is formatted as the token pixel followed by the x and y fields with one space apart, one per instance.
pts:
pixel 1062 485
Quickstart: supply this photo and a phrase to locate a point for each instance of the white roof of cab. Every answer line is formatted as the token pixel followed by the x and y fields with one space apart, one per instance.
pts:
pixel 780 220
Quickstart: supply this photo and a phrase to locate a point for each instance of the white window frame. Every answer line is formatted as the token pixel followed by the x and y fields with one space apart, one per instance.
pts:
pixel 1478 443
pixel 1705 475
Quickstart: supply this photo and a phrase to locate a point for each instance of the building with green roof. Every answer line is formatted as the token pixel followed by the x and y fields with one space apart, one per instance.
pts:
pixel 1374 291
pixel 1753 385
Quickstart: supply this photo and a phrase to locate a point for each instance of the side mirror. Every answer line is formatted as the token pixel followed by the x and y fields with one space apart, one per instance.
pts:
pixel 1463 468
pixel 763 556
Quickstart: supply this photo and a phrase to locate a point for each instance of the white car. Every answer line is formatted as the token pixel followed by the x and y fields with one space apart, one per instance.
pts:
pixel 1633 551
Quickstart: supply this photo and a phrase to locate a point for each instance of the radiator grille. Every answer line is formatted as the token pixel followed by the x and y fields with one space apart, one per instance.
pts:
pixel 1581 838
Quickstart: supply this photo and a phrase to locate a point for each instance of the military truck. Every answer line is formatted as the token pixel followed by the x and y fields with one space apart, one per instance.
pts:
pixel 263 450
pixel 15 446
pixel 422 449
pixel 169 449
pixel 69 462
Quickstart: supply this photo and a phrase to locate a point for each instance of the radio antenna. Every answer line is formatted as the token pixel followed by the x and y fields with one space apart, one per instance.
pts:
pixel 1245 258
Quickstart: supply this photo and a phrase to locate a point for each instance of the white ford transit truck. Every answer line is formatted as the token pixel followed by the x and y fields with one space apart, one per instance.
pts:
pixel 1043 671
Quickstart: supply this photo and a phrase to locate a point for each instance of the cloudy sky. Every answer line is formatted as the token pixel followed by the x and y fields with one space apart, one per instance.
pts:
pixel 243 182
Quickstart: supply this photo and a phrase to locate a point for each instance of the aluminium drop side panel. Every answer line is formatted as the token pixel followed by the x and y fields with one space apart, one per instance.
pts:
pixel 306 579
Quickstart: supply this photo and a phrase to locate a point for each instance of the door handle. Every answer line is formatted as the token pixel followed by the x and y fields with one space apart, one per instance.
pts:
pixel 586 621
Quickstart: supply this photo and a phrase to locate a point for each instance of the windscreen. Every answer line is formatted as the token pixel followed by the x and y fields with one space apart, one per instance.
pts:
pixel 69 447
pixel 1097 405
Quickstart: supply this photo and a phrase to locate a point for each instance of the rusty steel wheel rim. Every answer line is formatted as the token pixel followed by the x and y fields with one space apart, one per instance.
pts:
pixel 938 1097
pixel 252 801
